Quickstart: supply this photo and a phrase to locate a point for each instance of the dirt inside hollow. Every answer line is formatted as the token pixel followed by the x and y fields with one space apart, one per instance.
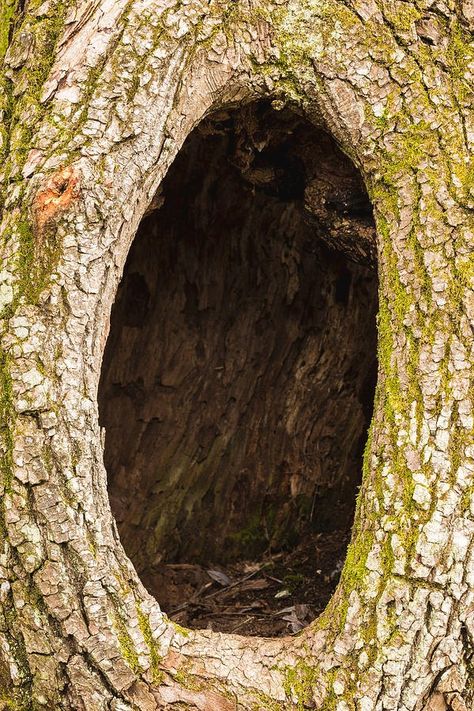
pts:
pixel 273 596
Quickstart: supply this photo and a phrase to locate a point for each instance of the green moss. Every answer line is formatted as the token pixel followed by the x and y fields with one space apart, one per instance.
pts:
pixel 7 420
pixel 44 31
pixel 22 113
pixel 7 15
pixel 193 682
pixel 251 538
pixel 265 703
pixel 155 657
pixel 354 570
pixel 298 683
pixel 16 700
pixel 459 54
pixel 35 262
pixel 413 143
pixel 189 681
pixel 180 630
pixel 127 647
pixel 402 15
pixel 294 581
pixel 19 696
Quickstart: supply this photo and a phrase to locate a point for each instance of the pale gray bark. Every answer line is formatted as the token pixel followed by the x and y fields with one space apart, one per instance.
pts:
pixel 88 147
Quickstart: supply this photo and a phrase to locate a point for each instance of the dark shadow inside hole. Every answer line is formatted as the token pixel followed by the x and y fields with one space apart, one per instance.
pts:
pixel 238 378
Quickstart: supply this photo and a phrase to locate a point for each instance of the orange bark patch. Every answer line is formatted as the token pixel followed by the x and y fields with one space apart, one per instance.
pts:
pixel 62 188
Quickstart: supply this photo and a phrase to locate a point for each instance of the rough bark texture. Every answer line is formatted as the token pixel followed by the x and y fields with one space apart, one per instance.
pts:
pixel 238 376
pixel 98 98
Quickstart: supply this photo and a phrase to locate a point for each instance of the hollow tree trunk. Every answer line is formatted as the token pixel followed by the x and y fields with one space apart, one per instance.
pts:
pixel 237 381
pixel 97 100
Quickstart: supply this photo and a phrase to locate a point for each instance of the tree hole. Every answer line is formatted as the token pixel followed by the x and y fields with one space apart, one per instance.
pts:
pixel 238 378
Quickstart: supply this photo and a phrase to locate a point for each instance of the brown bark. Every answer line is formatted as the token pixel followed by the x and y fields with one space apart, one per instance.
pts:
pixel 114 101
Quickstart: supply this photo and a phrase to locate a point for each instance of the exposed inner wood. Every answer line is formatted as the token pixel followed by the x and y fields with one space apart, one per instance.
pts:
pixel 238 377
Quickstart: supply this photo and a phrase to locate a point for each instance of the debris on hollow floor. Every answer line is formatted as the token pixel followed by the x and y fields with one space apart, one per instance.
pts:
pixel 274 596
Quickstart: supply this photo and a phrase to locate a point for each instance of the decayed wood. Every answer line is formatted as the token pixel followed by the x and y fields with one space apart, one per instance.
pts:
pixel 112 90
pixel 239 372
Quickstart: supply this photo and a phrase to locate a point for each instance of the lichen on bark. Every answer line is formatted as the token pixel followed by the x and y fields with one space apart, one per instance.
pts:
pixel 112 92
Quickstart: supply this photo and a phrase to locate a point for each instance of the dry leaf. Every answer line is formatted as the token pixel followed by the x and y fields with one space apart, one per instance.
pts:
pixel 219 577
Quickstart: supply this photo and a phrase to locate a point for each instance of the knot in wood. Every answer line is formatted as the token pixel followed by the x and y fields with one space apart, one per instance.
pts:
pixel 60 191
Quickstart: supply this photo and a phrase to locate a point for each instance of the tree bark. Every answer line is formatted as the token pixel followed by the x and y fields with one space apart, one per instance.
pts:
pixel 97 100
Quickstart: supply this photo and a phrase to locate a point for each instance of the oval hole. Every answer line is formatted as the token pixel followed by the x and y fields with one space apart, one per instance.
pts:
pixel 238 379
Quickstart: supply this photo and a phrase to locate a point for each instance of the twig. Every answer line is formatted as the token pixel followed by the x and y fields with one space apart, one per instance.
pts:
pixel 241 624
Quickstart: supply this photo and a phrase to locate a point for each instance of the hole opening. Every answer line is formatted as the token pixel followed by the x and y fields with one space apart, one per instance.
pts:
pixel 238 378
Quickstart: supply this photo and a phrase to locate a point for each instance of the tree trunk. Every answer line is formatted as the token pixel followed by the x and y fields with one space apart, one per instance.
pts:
pixel 97 100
